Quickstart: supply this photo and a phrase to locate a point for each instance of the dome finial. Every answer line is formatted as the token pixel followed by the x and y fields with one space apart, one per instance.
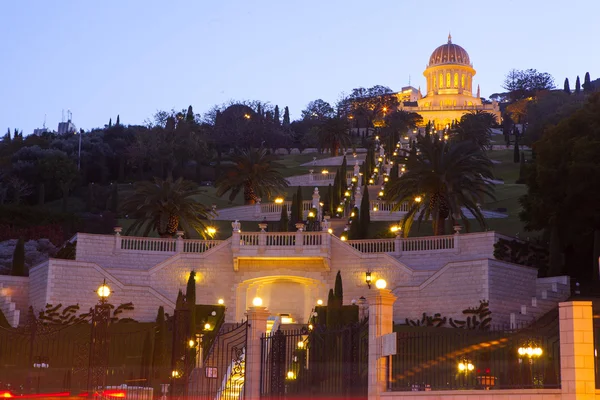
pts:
pixel 449 37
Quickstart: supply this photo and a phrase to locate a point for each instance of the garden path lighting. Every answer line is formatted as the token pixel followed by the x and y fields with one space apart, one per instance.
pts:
pixel 380 284
pixel 257 302
pixel 368 278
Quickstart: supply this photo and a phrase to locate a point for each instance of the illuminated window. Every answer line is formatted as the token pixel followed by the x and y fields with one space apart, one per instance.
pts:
pixel 455 80
pixel 462 81
pixel 448 80
pixel 441 80
pixel 434 82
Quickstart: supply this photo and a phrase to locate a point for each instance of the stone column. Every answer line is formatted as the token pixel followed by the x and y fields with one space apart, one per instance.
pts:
pixel 316 202
pixel 381 322
pixel 118 231
pixel 257 326
pixel 179 242
pixel 577 350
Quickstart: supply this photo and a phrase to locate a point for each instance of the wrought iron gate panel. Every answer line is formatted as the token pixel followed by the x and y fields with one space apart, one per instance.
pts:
pixel 317 362
pixel 219 373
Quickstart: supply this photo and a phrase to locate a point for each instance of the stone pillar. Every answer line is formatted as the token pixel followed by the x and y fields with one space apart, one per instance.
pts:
pixel 118 231
pixel 257 207
pixel 179 242
pixel 577 350
pixel 257 327
pixel 316 200
pixel 356 168
pixel 357 197
pixel 235 236
pixel 398 245
pixel 381 322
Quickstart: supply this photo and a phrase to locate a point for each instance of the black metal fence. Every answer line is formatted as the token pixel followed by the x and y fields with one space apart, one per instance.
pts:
pixel 56 359
pixel 315 362
pixel 455 359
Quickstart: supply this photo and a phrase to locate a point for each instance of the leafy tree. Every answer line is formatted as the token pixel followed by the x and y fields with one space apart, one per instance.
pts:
pixel 61 171
pixel 114 198
pixel 365 213
pixel 331 204
pixel 567 88
pixel 333 135
pixel 570 151
pixel 396 124
pixel 253 171
pixel 159 356
pixel 587 84
pixel 146 360
pixel 525 83
pixel 577 85
pixel 440 180
pixel 355 228
pixel 190 298
pixel 18 260
pixel 368 107
pixel 166 206
pixel 319 110
pixel 284 222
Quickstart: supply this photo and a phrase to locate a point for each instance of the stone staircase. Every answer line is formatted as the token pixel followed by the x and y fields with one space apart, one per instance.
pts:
pixel 548 293
pixel 8 307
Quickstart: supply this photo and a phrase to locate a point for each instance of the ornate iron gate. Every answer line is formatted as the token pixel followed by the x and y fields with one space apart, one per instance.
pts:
pixel 318 362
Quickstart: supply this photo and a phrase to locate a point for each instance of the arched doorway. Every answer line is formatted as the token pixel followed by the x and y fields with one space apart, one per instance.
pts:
pixel 294 296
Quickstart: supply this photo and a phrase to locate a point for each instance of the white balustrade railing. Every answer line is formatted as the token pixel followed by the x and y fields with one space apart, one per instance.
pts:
pixel 249 239
pixel 428 243
pixel 147 244
pixel 281 239
pixel 389 207
pixel 374 245
pixel 313 238
pixel 323 177
pixel 272 208
pixel 199 246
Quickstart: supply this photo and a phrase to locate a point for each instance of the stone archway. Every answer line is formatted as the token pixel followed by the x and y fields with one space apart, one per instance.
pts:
pixel 281 294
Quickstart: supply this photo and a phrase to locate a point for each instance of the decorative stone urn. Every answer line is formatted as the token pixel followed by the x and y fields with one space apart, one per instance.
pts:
pixel 457 228
pixel 300 226
pixel 262 226
pixel 117 230
pixel 179 234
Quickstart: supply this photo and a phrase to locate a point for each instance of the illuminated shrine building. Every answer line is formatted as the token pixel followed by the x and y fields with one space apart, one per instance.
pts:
pixel 450 93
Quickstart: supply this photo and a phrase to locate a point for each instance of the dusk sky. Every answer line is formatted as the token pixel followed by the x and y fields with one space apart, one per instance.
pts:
pixel 133 57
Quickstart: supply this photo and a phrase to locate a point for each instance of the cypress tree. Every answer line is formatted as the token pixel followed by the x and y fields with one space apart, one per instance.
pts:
pixel 338 291
pixel 355 229
pixel 118 120
pixel 146 361
pixel 110 122
pixel 577 86
pixel 300 210
pixel 18 261
pixel 276 116
pixel 190 298
pixel 286 117
pixel 330 203
pixel 336 189
pixel 567 88
pixel 587 83
pixel 160 340
pixel 516 154
pixel 284 222
pixel 189 116
pixel 294 210
pixel 331 312
pixel 365 213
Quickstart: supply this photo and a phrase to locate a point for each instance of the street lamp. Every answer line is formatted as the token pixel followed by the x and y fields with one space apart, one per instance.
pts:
pixel 380 284
pixel 103 292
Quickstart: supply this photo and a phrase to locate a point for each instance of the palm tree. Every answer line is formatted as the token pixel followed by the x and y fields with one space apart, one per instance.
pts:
pixel 254 172
pixel 166 206
pixel 440 180
pixel 475 127
pixel 333 135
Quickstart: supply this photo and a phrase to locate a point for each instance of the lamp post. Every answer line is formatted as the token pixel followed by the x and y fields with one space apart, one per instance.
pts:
pixel 99 345
pixel 79 154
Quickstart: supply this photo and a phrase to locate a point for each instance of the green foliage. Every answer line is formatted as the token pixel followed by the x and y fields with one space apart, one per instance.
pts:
pixel 577 85
pixel 555 259
pixel 114 198
pixel 331 204
pixel 338 291
pixel 57 315
pixel 146 360
pixel 522 253
pixel 355 232
pixel 567 88
pixel 159 361
pixel 587 84
pixel 254 173
pixel 331 305
pixel 365 213
pixel 190 298
pixel 62 172
pixel 300 201
pixel 448 177
pixel 18 261
pixel 166 206
pixel 475 127
pixel 284 222
pixel 294 209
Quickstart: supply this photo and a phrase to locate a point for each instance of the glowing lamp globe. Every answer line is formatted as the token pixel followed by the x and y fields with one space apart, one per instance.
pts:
pixel 380 284
pixel 103 291
pixel 207 326
pixel 319 302
pixel 257 302
pixel 221 302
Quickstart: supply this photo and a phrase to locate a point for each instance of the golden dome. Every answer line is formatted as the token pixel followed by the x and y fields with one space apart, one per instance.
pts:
pixel 449 53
